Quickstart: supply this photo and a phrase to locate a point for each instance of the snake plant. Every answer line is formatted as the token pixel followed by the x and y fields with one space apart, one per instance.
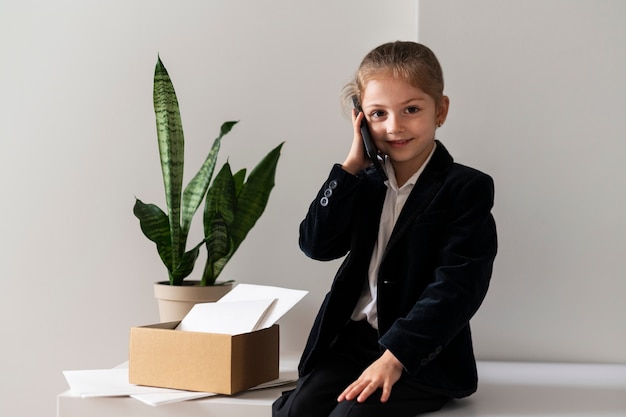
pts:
pixel 232 204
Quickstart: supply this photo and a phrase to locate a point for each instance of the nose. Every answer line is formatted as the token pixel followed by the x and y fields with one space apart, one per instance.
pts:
pixel 394 125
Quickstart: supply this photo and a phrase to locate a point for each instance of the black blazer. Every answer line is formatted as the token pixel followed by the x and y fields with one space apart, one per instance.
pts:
pixel 433 276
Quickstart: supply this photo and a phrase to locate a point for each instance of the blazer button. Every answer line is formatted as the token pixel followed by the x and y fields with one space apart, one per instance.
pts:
pixel 332 184
pixel 328 192
pixel 424 362
pixel 324 201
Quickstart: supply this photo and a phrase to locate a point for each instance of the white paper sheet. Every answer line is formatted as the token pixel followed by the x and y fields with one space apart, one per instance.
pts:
pixel 231 318
pixel 156 400
pixel 106 383
pixel 286 299
pixel 114 383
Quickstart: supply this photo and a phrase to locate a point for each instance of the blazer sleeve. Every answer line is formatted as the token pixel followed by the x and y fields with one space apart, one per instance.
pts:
pixel 460 279
pixel 325 232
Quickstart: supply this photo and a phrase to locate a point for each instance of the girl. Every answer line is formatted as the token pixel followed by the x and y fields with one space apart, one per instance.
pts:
pixel 392 337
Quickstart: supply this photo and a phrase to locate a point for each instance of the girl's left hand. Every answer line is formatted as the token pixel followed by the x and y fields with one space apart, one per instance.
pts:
pixel 383 373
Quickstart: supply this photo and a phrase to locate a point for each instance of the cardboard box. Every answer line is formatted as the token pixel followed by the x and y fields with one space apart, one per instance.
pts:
pixel 163 357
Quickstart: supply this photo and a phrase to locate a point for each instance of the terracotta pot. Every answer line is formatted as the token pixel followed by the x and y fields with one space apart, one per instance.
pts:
pixel 176 301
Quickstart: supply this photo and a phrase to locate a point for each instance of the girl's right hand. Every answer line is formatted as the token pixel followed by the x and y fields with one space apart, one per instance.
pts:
pixel 356 160
pixel 382 373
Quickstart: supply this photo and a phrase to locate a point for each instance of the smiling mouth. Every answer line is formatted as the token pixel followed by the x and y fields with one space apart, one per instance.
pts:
pixel 399 142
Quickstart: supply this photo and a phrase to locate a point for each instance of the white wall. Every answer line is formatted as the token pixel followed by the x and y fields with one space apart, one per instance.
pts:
pixel 537 100
pixel 77 144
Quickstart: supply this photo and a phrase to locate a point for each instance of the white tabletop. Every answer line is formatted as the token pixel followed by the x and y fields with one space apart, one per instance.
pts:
pixel 518 389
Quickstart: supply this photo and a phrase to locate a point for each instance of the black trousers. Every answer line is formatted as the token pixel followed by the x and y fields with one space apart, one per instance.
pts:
pixel 356 348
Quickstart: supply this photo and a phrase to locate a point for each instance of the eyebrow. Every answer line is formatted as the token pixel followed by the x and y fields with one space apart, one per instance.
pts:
pixel 404 103
pixel 414 99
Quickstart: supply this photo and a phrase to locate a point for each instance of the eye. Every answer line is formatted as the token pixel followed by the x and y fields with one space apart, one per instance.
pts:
pixel 377 114
pixel 412 109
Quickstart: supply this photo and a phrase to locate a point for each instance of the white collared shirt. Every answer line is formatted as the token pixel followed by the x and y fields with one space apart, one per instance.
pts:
pixel 395 198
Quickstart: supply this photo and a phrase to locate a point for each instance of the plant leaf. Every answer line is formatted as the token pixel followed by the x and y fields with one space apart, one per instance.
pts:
pixel 254 195
pixel 220 199
pixel 171 151
pixel 196 189
pixel 155 226
pixel 219 246
pixel 227 126
pixel 239 178
pixel 185 267
pixel 218 215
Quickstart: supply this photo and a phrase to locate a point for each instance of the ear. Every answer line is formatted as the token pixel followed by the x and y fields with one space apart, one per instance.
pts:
pixel 442 110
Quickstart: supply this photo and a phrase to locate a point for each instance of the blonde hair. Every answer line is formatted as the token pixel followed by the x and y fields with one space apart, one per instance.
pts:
pixel 411 62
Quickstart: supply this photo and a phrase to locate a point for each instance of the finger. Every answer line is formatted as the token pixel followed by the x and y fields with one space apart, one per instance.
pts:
pixel 366 392
pixel 358 138
pixel 345 393
pixel 358 117
pixel 386 393
pixel 352 391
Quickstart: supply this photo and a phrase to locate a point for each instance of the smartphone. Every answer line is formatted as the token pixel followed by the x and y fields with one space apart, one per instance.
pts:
pixel 370 148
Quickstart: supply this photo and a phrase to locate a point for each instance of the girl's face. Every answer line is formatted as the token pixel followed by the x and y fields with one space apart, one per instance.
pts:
pixel 402 121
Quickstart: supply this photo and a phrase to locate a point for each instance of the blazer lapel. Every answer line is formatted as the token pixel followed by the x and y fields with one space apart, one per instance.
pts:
pixel 425 189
